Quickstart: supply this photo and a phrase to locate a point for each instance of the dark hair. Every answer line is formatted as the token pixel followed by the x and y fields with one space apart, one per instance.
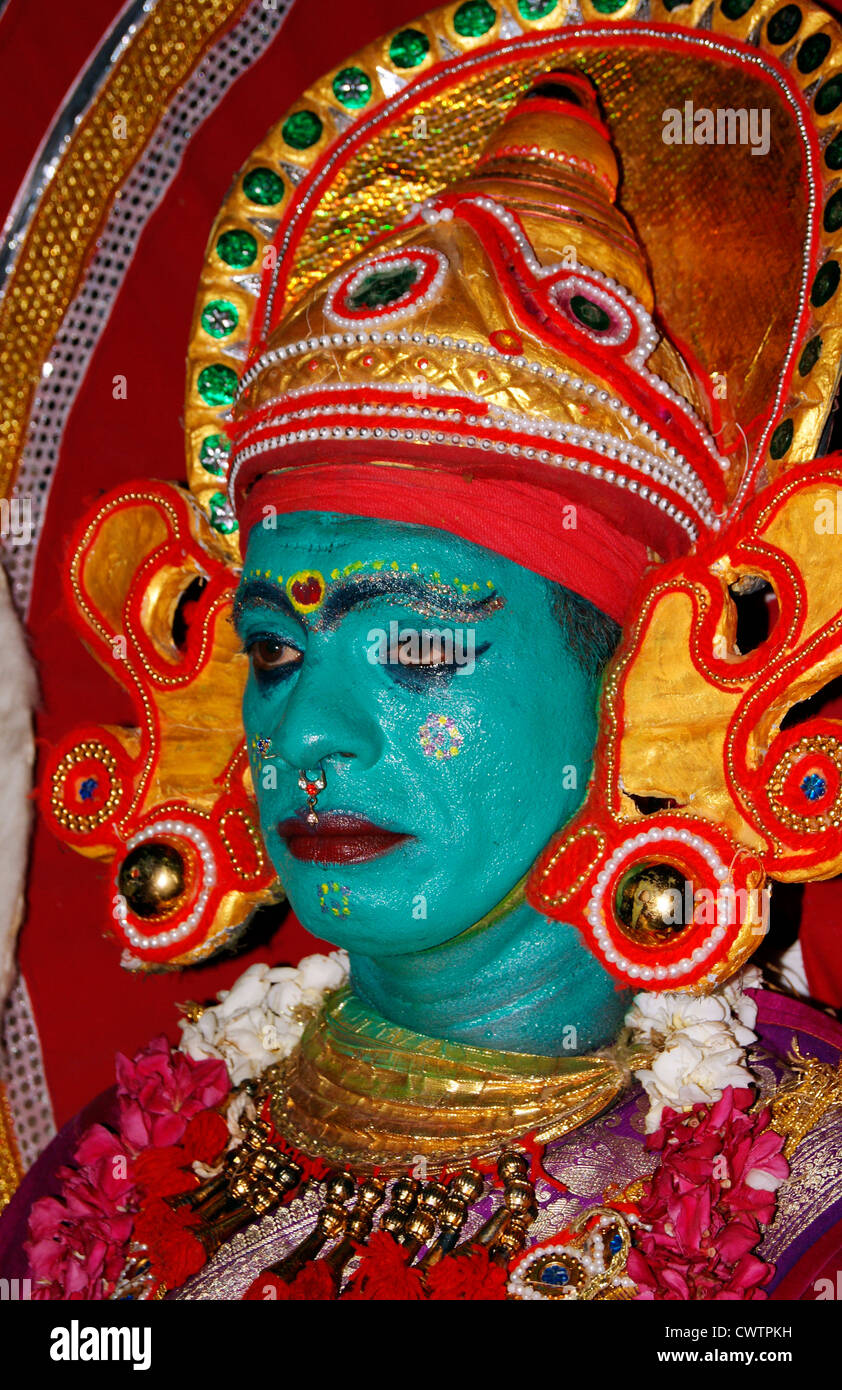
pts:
pixel 591 635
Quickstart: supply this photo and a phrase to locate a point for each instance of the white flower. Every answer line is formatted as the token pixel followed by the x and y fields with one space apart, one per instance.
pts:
pixel 699 1042
pixel 697 1064
pixel 259 1020
pixel 742 1005
pixel 658 1016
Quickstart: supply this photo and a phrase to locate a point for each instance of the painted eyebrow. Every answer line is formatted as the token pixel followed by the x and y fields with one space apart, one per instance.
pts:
pixel 428 599
pixel 264 592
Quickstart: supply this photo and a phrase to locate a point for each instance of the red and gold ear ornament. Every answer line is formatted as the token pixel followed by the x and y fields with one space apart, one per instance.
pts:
pixel 712 775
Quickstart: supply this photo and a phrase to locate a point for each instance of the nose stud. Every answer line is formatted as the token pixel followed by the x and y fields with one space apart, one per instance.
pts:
pixel 312 785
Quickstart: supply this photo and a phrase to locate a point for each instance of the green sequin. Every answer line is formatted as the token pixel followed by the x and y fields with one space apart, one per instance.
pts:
pixel 536 9
pixel 735 9
pixel 352 87
pixel 214 453
pixel 263 186
pixel 825 284
pixel 217 384
pixel 608 6
pixel 473 19
pixel 590 314
pixel 383 287
pixel 812 52
pixel 832 220
pixel 409 47
pixel 219 318
pixel 220 515
pixel 833 153
pixel 829 96
pixel 784 25
pixel 302 129
pixel 781 439
pixel 810 356
pixel 237 249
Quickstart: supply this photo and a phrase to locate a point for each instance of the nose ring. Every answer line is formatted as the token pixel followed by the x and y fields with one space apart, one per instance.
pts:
pixel 312 786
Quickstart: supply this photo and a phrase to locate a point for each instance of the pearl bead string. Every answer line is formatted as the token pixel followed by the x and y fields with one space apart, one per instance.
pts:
pixel 120 911
pixel 674 470
pixel 590 1256
pixel 274 442
pixel 596 913
pixel 652 468
pixel 460 346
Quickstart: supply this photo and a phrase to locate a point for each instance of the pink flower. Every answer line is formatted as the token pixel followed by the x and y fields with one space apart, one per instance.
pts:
pixel 706 1202
pixel 77 1245
pixel 161 1089
pixel 106 1165
pixel 78 1242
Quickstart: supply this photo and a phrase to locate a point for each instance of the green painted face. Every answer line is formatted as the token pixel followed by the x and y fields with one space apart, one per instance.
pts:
pixel 428 682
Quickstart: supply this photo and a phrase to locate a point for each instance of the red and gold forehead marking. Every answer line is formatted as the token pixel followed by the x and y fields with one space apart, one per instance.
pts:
pixel 306 590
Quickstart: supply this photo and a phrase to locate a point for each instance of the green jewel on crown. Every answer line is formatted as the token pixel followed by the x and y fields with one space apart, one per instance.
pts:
pixel 382 287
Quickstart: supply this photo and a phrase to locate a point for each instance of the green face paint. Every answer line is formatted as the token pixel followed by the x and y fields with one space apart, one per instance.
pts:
pixel 429 681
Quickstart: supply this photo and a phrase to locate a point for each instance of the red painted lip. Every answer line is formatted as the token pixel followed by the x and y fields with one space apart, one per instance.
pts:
pixel 338 838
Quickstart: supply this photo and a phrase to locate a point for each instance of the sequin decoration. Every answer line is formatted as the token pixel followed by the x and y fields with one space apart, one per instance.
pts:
pixel 806 786
pixel 440 737
pixel 814 787
pixel 334 898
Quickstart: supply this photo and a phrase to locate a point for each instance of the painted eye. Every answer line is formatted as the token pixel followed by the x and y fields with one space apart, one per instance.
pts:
pixel 434 656
pixel 270 654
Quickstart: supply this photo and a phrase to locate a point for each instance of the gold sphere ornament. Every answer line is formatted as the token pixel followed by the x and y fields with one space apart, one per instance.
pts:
pixel 339 1186
pixel 152 879
pixel 654 902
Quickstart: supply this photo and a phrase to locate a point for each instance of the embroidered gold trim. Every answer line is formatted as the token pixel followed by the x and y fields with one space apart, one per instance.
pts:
pixel 99 156
pixel 11 1166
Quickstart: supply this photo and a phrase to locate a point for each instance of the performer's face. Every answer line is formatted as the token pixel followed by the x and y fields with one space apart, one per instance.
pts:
pixel 428 679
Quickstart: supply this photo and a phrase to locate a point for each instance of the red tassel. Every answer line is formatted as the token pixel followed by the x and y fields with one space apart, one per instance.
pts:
pixel 268 1288
pixel 467 1274
pixel 311 1284
pixel 383 1272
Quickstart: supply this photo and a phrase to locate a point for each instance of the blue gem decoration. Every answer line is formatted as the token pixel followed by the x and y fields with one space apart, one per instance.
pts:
pixel 555 1274
pixel 88 788
pixel 813 786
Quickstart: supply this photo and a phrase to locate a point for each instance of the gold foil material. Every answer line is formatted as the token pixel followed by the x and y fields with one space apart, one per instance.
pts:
pixel 51 262
pixel 361 1090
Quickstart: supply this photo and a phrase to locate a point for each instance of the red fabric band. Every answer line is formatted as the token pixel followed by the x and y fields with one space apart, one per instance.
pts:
pixel 568 543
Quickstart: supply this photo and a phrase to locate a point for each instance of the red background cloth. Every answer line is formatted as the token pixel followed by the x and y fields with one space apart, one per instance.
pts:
pixel 86 1007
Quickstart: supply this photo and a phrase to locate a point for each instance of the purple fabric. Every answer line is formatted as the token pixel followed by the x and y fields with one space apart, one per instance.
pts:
pixel 780 1022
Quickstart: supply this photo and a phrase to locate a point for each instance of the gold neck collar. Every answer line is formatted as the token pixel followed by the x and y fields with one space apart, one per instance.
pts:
pixel 360 1090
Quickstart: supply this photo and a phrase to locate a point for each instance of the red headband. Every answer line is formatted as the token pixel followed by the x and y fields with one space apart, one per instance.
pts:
pixel 568 543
